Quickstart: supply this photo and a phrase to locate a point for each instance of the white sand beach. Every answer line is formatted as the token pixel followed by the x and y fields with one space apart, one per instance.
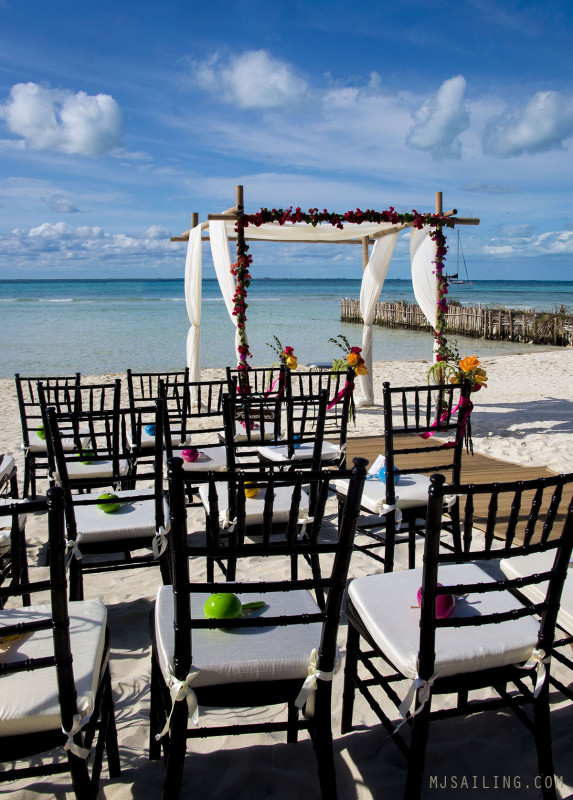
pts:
pixel 524 416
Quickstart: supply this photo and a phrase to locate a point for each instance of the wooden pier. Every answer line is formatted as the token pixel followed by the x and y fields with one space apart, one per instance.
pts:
pixel 537 327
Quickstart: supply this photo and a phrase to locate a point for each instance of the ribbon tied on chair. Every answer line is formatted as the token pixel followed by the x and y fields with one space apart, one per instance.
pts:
pixel 466 407
pixel 418 685
pixel 537 660
pixel 159 543
pixel 78 723
pixel 181 690
pixel 314 675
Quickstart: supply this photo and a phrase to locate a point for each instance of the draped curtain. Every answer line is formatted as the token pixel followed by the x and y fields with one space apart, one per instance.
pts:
pixel 422 254
pixel 193 276
pixel 372 282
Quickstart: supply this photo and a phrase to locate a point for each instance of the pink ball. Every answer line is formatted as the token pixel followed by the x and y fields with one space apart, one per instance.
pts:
pixel 190 454
pixel 445 604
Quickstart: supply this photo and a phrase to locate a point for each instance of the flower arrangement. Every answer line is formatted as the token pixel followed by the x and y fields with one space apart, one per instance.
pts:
pixel 453 369
pixel 470 370
pixel 352 357
pixel 286 354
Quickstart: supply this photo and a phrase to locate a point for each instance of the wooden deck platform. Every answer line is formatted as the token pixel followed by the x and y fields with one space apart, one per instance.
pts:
pixel 475 469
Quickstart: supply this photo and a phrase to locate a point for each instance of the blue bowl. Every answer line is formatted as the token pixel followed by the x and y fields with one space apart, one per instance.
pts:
pixel 150 430
pixel 382 474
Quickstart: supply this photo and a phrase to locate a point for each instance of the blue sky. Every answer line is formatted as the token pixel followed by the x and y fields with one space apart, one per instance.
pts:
pixel 119 118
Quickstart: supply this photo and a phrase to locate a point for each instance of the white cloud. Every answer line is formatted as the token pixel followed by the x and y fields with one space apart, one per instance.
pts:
pixel 62 121
pixel 544 123
pixel 61 204
pixel 527 245
pixel 490 187
pixel 440 120
pixel 253 79
pixel 53 243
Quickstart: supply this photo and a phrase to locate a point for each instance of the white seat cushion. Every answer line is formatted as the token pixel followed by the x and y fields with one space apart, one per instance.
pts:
pixel 384 603
pixel 147 440
pixel 542 562
pixel 330 452
pixel 7 464
pixel 6 524
pixel 254 506
pixel 255 434
pixel 211 459
pixel 131 521
pixel 242 655
pixel 411 492
pixel 29 700
pixel 77 470
pixel 38 445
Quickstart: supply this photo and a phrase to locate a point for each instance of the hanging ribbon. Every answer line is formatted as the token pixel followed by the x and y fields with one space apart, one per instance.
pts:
pixel 73 545
pixel 281 380
pixel 538 659
pixel 466 406
pixel 78 723
pixel 181 690
pixel 159 544
pixel 314 675
pixel 424 689
pixel 348 389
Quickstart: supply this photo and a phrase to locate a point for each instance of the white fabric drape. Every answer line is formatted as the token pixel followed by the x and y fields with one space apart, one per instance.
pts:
pixel 222 262
pixel 274 232
pixel 372 282
pixel 422 254
pixel 193 276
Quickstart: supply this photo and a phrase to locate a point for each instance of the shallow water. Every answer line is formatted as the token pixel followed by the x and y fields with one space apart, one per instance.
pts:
pixel 56 327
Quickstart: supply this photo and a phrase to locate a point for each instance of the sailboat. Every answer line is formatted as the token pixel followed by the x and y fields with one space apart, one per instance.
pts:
pixel 455 279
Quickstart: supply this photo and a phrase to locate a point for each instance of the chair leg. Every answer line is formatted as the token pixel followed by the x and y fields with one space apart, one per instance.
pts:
pixel 154 705
pixel 350 669
pixel 111 746
pixel 543 743
pixel 417 753
pixel 176 754
pixel 322 741
pixel 292 723
pixel 390 542
pixel 412 544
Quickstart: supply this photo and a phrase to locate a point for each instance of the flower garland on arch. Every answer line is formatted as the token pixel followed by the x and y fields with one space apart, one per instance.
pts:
pixel 241 268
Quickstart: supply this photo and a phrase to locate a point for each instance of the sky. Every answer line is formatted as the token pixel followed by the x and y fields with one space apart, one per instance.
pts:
pixel 118 119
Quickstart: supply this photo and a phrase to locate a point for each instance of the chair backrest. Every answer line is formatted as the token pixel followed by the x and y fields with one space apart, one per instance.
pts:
pixel 142 386
pixel 339 386
pixel 29 400
pixel 263 381
pixel 287 422
pixel 193 412
pixel 114 430
pixel 13 563
pixel 276 549
pixel 539 517
pixel 428 412
pixel 57 620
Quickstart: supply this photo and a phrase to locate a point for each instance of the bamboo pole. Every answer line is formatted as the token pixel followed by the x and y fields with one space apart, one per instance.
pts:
pixel 365 254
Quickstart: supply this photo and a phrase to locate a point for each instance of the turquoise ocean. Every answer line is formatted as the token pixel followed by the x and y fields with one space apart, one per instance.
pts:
pixel 60 326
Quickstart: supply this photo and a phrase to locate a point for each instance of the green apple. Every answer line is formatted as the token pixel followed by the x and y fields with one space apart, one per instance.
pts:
pixel 87 456
pixel 109 506
pixel 223 605
pixel 41 433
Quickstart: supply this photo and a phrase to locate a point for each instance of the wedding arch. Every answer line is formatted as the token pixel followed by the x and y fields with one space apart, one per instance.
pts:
pixel 428 249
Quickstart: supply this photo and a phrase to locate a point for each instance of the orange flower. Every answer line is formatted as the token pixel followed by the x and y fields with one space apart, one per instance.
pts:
pixel 292 362
pixel 469 363
pixel 481 377
pixel 353 359
pixel 361 369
